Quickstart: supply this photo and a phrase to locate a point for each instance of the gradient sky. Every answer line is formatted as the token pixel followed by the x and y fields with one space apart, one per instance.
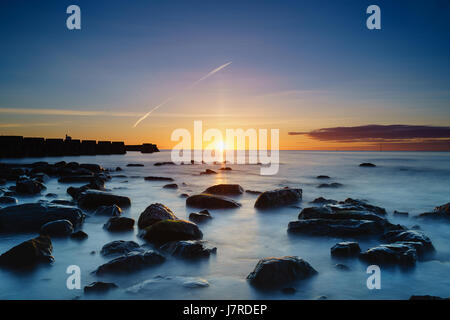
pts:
pixel 297 66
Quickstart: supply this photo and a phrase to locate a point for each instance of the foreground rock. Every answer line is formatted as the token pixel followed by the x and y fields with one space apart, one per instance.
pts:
pixel 119 224
pixel 120 247
pixel 99 287
pixel 345 249
pixel 395 253
pixel 58 228
pixel 92 199
pixel 440 212
pixel 8 200
pixel 110 211
pixel 210 201
pixel 421 242
pixel 200 217
pixel 28 253
pixel 29 186
pixel 154 213
pixel 278 198
pixel 225 189
pixel 274 272
pixel 172 230
pixel 30 217
pixel 189 249
pixel 131 262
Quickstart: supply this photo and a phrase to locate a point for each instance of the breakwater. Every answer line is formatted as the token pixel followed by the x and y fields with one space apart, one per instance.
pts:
pixel 23 147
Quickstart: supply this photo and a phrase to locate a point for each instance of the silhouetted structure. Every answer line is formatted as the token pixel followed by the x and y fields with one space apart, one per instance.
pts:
pixel 19 147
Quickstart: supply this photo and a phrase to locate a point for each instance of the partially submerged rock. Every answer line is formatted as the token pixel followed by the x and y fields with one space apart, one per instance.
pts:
pixel 110 211
pixel 225 189
pixel 29 253
pixel 330 185
pixel 394 253
pixel 8 200
pixel 210 201
pixel 30 217
pixel 189 249
pixel 208 171
pixel 336 228
pixel 119 224
pixel 29 186
pixel 131 262
pixel 57 228
pixel 440 212
pixel 253 192
pixel 200 217
pixel 154 213
pixel 99 287
pixel 323 177
pixel 322 201
pixel 278 198
pixel 92 199
pixel 274 272
pixel 120 247
pixel 410 236
pixel 152 178
pixel 345 249
pixel 171 186
pixel 172 230
pixel 135 165
pixel 367 165
pixel 79 235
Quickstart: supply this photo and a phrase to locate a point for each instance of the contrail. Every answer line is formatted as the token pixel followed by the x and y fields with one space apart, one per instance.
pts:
pixel 190 87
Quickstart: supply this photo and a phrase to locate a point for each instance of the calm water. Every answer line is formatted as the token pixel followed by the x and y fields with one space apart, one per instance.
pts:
pixel 404 181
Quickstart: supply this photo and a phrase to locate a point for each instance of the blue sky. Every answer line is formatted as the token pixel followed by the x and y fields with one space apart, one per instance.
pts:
pixel 291 60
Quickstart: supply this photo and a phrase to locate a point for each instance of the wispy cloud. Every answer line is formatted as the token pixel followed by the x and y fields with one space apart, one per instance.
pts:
pixel 65 112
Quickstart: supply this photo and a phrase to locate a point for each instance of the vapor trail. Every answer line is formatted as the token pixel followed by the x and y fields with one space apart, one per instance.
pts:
pixel 187 88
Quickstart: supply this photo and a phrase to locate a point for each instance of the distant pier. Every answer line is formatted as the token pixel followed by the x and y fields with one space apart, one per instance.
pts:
pixel 24 147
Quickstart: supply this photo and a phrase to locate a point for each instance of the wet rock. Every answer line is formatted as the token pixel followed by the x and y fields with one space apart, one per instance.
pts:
pixel 345 249
pixel 330 185
pixel 131 262
pixel 367 165
pixel 253 192
pixel 208 171
pixel 210 201
pixel 225 189
pixel 322 200
pixel 99 287
pixel 135 165
pixel 171 186
pixel 196 283
pixel 29 186
pixel 118 169
pixel 92 199
pixel 394 253
pixel 154 213
pixel 92 167
pixel 8 200
pixel 189 249
pixel 30 217
pixel 164 163
pixel 172 230
pixel 58 228
pixel 278 198
pixel 336 228
pixel 51 195
pixel 63 202
pixel 110 211
pixel 79 235
pixel 225 169
pixel 152 178
pixel 119 224
pixel 440 212
pixel 120 247
pixel 29 253
pixel 413 236
pixel 400 213
pixel 323 177
pixel 200 217
pixel 184 195
pixel 332 213
pixel 273 272
pixel 359 205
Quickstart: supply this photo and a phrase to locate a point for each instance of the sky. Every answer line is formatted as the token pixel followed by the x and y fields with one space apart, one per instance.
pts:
pixel 298 66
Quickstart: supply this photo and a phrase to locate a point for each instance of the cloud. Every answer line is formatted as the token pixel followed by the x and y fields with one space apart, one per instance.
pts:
pixel 378 133
pixel 65 112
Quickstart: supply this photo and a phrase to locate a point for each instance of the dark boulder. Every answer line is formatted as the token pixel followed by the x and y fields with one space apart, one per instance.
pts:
pixel 29 253
pixel 79 235
pixel 171 186
pixel 208 171
pixel 225 169
pixel 99 287
pixel 30 217
pixel 322 201
pixel 278 198
pixel 440 212
pixel 8 200
pixel 154 213
pixel 253 192
pixel 400 213
pixel 330 185
pixel 225 189
pixel 92 199
pixel 29 186
pixel 345 249
pixel 57 228
pixel 153 178
pixel 328 212
pixel 135 165
pixel 120 247
pixel 189 249
pixel 110 211
pixel 367 165
pixel 274 272
pixel 323 177
pixel 172 230
pixel 131 262
pixel 119 224
pixel 210 201
pixel 92 167
pixel 394 253
pixel 200 217
pixel 409 236
pixel 63 202
pixel 336 228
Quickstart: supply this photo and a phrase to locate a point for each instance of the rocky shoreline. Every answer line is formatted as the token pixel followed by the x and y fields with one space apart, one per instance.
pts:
pixel 170 237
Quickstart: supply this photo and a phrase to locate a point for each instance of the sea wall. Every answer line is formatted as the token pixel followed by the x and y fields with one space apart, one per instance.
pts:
pixel 20 147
